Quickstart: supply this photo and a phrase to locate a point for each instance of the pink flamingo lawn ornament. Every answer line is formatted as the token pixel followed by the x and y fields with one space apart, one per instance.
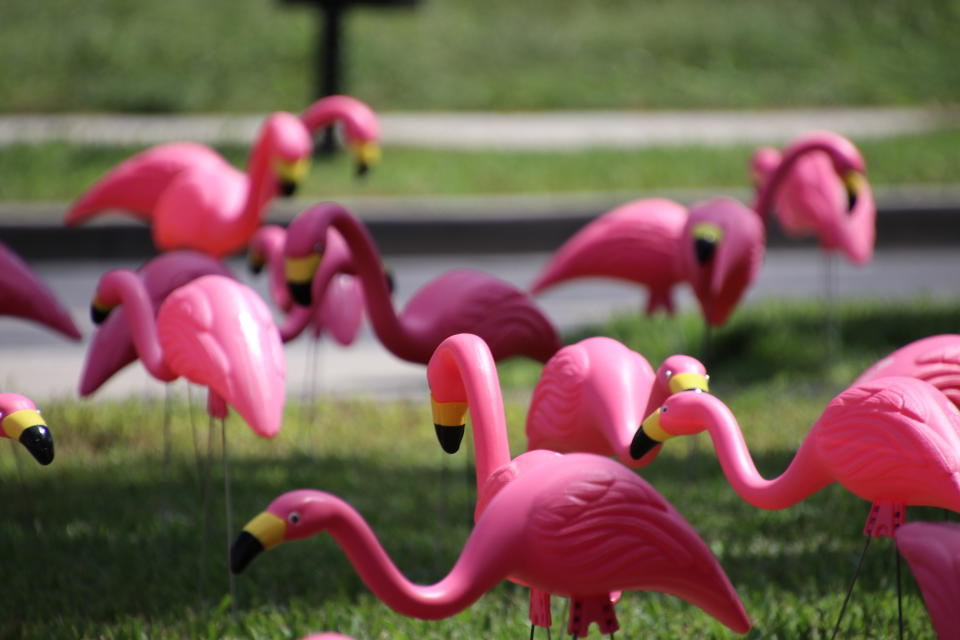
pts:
pixel 592 395
pixel 933 552
pixel 543 520
pixel 935 359
pixel 21 421
pixel 194 199
pixel 24 295
pixel 717 247
pixel 339 312
pixel 456 302
pixel 818 196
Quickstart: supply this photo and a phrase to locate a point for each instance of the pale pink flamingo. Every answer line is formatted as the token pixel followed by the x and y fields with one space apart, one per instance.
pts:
pixel 576 525
pixel 194 199
pixel 717 247
pixel 21 421
pixel 339 312
pixel 933 552
pixel 935 359
pixel 112 347
pixel 458 301
pixel 592 396
pixel 214 332
pixel 24 295
pixel 818 196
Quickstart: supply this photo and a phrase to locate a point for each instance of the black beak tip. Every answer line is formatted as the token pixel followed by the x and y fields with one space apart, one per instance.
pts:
pixel 255 267
pixel 287 188
pixel 362 169
pixel 642 444
pixel 851 200
pixel 38 441
pixel 245 548
pixel 704 250
pixel 98 316
pixel 300 292
pixel 391 283
pixel 449 437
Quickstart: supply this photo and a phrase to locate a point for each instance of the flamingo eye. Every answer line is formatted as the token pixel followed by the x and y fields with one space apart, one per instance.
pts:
pixel 668 374
pixel 294 517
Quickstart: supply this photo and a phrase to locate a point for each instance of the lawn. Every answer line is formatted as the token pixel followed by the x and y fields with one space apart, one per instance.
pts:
pixel 256 55
pixel 111 541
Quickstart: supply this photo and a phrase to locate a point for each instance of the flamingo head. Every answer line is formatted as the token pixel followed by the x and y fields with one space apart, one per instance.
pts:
pixel 762 163
pixel 305 246
pixel 290 146
pixel 266 243
pixel 724 244
pixel 682 414
pixel 359 124
pixel 847 160
pixel 292 516
pixel 450 421
pixel 682 373
pixel 107 296
pixel 20 420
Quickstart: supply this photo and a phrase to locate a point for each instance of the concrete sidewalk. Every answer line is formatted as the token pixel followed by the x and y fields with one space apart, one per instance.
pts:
pixel 471 130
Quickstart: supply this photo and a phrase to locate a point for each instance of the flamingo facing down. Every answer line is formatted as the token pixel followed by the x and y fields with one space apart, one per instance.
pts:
pixel 340 311
pixel 717 247
pixel 935 359
pixel 576 525
pixel 112 347
pixel 456 302
pixel 894 441
pixel 214 332
pixel 24 295
pixel 20 420
pixel 361 129
pixel 816 197
pixel 933 551
pixel 194 199
pixel 592 395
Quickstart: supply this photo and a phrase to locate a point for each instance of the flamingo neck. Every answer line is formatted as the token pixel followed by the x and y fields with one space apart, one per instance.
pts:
pixel 295 322
pixel 768 191
pixel 125 287
pixel 462 370
pixel 268 242
pixel 360 123
pixel 261 182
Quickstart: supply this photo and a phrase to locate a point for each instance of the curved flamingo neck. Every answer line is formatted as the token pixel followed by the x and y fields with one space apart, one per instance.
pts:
pixel 461 587
pixel 294 324
pixel 261 181
pixel 125 287
pixel 359 121
pixel 462 369
pixel 691 413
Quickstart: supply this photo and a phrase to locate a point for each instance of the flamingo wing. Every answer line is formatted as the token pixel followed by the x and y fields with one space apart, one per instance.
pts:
pixel 24 295
pixel 341 309
pixel 935 359
pixel 933 552
pixel 556 403
pixel 136 184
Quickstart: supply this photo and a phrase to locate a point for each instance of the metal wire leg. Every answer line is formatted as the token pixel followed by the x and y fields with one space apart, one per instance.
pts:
pixel 856 574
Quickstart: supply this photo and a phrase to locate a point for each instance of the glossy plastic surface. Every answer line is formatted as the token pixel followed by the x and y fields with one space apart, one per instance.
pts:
pixel 935 360
pixel 933 551
pixel 24 295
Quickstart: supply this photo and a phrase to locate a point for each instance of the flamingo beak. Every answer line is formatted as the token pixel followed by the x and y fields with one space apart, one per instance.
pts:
pixel 853 183
pixel 299 273
pixel 648 436
pixel 29 427
pixel 290 174
pixel 99 311
pixel 688 382
pixel 449 420
pixel 706 237
pixel 261 534
pixel 255 262
pixel 367 155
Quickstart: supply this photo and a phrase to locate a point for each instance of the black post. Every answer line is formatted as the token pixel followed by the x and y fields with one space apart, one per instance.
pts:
pixel 329 64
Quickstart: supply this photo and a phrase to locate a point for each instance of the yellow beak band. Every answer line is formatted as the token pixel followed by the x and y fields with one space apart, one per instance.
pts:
pixel 853 181
pixel 367 153
pixel 448 414
pixel 101 306
pixel 301 270
pixel 19 421
pixel 707 231
pixel 687 381
pixel 653 430
pixel 293 171
pixel 268 529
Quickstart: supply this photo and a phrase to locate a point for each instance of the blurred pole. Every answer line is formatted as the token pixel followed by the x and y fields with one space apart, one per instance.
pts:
pixel 329 63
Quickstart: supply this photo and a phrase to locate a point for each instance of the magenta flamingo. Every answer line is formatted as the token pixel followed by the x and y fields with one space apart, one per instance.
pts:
pixel 112 347
pixel 576 525
pixel 24 295
pixel 592 395
pixel 339 312
pixel 933 552
pixel 194 199
pixel 456 302
pixel 214 332
pixel 815 197
pixel 894 441
pixel 21 421
pixel 935 359
pixel 717 247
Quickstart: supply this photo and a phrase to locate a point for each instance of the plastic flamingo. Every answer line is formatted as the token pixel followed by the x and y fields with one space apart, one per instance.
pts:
pixel 576 525
pixel 214 332
pixel 816 197
pixel 592 395
pixel 339 312
pixel 24 295
pixel 112 347
pixel 361 129
pixel 21 421
pixel 935 359
pixel 933 551
pixel 194 199
pixel 458 301
pixel 717 247
pixel 894 442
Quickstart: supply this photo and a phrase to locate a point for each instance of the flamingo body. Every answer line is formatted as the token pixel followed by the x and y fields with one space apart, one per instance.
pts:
pixel 24 295
pixel 935 359
pixel 933 552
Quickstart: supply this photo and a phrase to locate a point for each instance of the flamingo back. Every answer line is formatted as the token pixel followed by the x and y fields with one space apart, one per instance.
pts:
pixel 935 359
pixel 218 333
pixel 894 440
pixel 24 295
pixel 933 552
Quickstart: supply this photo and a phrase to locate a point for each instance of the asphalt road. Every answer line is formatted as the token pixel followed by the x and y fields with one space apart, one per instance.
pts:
pixel 41 364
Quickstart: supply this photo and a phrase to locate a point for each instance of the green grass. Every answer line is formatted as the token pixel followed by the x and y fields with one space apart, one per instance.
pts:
pixel 62 171
pixel 255 55
pixel 112 542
